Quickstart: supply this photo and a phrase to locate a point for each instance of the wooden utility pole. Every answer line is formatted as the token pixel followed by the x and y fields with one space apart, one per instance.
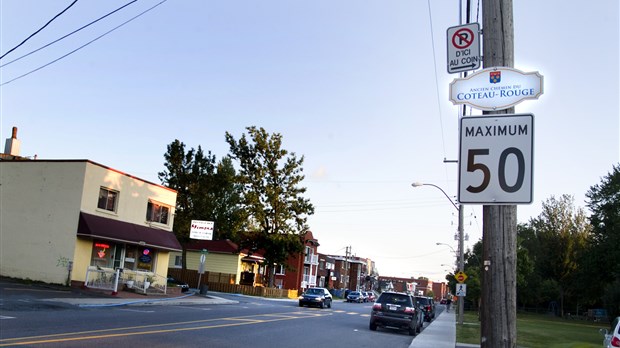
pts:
pixel 499 232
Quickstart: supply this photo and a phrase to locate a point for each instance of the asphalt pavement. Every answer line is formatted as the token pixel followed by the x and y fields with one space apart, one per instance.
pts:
pixel 440 333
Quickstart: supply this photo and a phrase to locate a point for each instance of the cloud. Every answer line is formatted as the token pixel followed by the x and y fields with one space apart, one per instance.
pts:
pixel 320 173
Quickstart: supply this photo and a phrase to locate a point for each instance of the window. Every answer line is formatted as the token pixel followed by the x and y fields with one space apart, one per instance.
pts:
pixel 102 254
pixel 146 260
pixel 279 269
pixel 157 213
pixel 178 261
pixel 107 199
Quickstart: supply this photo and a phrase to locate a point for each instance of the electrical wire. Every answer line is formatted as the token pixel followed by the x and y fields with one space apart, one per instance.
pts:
pixel 86 44
pixel 71 33
pixel 430 17
pixel 36 32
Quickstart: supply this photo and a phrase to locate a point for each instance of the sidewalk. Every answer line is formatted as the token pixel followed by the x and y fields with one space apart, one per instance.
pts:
pixel 125 299
pixel 440 333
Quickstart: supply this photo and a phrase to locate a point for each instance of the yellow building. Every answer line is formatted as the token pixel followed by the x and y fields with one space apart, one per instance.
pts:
pixel 221 257
pixel 61 218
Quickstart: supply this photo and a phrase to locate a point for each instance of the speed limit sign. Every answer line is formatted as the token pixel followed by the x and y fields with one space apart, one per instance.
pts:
pixel 496 159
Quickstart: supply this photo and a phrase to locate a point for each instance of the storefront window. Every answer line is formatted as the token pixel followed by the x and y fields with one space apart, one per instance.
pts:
pixel 132 257
pixel 146 259
pixel 103 255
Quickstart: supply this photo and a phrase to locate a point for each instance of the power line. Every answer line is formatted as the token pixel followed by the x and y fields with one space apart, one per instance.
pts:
pixel 430 16
pixel 86 44
pixel 36 32
pixel 71 33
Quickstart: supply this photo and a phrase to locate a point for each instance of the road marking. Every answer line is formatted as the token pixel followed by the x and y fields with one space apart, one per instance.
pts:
pixel 136 310
pixel 196 308
pixel 2 317
pixel 157 328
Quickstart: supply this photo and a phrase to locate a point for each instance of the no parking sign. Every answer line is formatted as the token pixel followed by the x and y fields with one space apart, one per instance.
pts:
pixel 464 48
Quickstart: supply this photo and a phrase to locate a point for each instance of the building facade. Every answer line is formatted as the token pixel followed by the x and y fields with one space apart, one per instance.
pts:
pixel 326 275
pixel 300 271
pixel 221 257
pixel 61 218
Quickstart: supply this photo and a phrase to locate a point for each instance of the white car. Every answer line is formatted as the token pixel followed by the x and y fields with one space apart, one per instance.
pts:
pixel 612 338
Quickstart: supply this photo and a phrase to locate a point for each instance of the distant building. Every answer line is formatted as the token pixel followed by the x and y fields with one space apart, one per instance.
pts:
pixel 300 271
pixel 419 286
pixel 326 275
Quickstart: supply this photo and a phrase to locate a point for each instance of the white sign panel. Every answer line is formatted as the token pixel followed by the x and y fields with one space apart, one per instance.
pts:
pixel 496 88
pixel 496 159
pixel 201 230
pixel 461 290
pixel 463 48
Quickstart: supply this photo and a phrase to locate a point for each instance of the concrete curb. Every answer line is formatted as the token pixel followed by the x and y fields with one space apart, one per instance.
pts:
pixel 190 299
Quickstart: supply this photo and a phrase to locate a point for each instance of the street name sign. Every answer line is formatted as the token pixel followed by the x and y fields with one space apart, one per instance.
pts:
pixel 496 88
pixel 496 159
pixel 463 48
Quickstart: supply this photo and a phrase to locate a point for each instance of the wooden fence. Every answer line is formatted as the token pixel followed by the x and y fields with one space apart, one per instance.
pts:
pixel 224 282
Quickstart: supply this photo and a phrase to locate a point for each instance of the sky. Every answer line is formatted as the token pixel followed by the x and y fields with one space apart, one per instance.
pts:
pixel 358 88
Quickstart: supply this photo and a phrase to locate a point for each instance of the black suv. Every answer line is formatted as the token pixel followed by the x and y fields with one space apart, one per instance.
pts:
pixel 396 310
pixel 429 306
pixel 319 297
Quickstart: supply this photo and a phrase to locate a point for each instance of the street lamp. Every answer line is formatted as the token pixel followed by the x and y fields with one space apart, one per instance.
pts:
pixel 461 253
pixel 449 246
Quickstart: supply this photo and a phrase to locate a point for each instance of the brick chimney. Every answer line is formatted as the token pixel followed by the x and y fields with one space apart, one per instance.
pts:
pixel 12 145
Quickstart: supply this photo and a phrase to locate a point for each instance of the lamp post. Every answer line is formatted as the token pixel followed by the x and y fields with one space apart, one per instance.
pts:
pixel 461 253
pixel 449 246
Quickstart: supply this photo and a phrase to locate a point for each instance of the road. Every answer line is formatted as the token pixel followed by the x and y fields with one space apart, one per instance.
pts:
pixel 255 322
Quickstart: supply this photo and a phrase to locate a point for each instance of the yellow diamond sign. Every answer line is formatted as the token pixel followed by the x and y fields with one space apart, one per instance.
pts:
pixel 460 277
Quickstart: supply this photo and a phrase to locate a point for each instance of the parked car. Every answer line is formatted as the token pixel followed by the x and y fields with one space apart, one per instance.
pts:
pixel 396 310
pixel 174 282
pixel 355 296
pixel 319 297
pixel 370 296
pixel 612 337
pixel 429 307
pixel 364 296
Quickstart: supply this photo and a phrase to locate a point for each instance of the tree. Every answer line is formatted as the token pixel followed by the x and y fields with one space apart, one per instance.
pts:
pixel 562 232
pixel 473 269
pixel 525 267
pixel 603 253
pixel 225 196
pixel 205 191
pixel 270 177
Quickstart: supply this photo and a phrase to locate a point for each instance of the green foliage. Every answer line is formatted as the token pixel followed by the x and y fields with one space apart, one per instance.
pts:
pixel 473 269
pixel 271 194
pixel 205 191
pixel 555 242
pixel 603 254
